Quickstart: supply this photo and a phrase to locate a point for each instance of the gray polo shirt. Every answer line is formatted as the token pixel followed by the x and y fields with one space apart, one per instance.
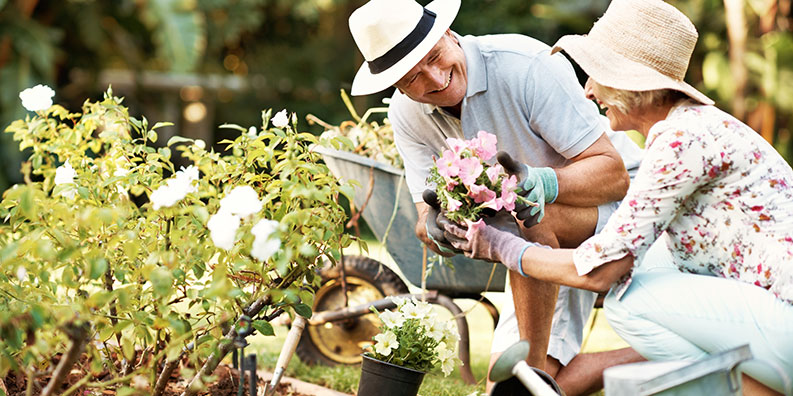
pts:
pixel 529 99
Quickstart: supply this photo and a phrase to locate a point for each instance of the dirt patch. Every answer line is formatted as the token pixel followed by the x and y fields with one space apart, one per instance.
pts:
pixel 226 384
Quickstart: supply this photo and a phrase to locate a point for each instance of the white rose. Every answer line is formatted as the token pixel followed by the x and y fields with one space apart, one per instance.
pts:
pixel 242 201
pixel 280 119
pixel 65 174
pixel 22 273
pixel 223 229
pixel 200 143
pixel 166 196
pixel 252 132
pixel 265 244
pixel 37 98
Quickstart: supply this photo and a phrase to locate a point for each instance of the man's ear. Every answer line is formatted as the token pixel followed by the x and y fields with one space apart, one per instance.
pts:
pixel 452 36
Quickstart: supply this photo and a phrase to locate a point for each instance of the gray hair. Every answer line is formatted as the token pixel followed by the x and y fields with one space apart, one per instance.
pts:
pixel 625 101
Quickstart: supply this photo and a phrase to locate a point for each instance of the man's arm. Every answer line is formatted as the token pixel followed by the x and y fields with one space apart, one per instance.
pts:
pixel 594 177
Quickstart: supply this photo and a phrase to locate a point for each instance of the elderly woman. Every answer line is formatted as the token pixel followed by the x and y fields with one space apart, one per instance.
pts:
pixel 710 185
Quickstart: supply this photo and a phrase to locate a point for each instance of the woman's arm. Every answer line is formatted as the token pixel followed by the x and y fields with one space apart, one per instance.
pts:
pixel 556 266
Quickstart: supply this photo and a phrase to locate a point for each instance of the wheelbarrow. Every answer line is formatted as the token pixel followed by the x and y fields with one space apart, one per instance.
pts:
pixel 342 324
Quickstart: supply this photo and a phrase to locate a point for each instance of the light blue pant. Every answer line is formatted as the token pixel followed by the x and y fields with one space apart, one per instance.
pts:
pixel 669 315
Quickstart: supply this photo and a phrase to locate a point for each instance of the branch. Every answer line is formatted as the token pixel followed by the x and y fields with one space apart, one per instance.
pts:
pixel 78 334
pixel 225 346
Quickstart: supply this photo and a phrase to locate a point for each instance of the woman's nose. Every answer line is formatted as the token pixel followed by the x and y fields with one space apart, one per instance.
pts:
pixel 588 91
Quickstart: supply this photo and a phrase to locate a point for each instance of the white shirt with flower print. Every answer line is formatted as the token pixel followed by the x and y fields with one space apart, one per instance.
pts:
pixel 720 191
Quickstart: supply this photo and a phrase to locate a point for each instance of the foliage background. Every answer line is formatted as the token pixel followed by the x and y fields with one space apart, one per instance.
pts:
pixel 201 63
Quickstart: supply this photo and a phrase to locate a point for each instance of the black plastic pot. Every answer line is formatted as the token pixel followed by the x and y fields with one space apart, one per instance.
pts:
pixel 379 378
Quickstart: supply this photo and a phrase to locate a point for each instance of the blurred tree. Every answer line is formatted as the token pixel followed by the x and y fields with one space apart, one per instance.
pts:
pixel 199 63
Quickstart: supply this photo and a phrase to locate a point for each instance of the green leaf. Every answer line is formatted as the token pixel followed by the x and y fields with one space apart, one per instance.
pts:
pixel 98 267
pixel 152 136
pixel 161 124
pixel 303 310
pixel 264 327
pixel 179 32
pixel 178 139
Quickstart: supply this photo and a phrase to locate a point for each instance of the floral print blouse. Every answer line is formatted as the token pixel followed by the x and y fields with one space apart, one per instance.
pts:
pixel 723 195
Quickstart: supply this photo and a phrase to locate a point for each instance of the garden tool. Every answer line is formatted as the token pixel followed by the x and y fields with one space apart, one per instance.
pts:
pixel 292 338
pixel 244 329
pixel 513 363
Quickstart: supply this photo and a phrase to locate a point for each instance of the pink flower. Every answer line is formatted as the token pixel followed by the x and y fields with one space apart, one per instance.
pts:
pixel 481 193
pixel 450 183
pixel 494 172
pixel 472 227
pixel 509 183
pixel 495 204
pixel 484 145
pixel 508 199
pixel 448 165
pixel 470 170
pixel 456 145
pixel 453 204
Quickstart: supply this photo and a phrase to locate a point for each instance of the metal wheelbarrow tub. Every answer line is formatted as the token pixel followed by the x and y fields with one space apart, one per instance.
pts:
pixel 469 276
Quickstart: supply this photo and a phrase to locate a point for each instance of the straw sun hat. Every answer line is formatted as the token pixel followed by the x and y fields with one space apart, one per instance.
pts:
pixel 393 36
pixel 637 45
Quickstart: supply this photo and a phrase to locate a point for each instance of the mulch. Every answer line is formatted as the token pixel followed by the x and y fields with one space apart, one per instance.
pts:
pixel 227 384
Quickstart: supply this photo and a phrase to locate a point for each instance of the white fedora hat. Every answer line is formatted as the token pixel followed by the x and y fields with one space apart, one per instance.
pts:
pixel 393 36
pixel 637 45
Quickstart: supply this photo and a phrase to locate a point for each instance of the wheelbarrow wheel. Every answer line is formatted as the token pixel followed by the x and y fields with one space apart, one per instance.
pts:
pixel 342 342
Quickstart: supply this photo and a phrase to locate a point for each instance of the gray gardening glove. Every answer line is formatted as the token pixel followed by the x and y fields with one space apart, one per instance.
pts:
pixel 538 185
pixel 499 241
pixel 434 230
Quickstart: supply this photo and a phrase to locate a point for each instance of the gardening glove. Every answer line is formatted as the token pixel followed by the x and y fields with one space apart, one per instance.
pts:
pixel 497 240
pixel 538 185
pixel 435 232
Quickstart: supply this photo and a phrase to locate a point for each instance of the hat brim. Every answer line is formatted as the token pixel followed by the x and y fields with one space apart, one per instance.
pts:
pixel 614 70
pixel 366 83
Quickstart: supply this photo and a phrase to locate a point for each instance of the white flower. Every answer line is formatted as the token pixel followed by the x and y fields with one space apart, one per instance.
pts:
pixel 22 273
pixel 399 301
pixel 385 343
pixel 392 319
pixel 416 309
pixel 200 143
pixel 223 229
pixel 65 174
pixel 435 329
pixel 451 333
pixel 120 172
pixel 265 244
pixel 252 132
pixel 242 201
pixel 175 188
pixel 37 98
pixel 446 357
pixel 280 119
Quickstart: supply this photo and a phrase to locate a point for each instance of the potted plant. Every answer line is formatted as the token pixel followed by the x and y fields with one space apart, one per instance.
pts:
pixel 412 341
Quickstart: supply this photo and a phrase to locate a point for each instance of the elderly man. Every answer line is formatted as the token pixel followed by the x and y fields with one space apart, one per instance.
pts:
pixel 509 85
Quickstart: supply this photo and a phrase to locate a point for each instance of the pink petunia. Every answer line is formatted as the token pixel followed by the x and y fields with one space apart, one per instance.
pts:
pixel 509 183
pixel 453 204
pixel 450 183
pixel 481 193
pixel 508 199
pixel 470 170
pixel 456 145
pixel 496 204
pixel 494 172
pixel 484 145
pixel 447 164
pixel 472 227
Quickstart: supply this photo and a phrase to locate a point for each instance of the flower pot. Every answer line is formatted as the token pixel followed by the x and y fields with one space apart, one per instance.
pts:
pixel 379 378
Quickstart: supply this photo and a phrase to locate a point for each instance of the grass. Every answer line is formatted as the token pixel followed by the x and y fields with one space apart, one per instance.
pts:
pixel 345 378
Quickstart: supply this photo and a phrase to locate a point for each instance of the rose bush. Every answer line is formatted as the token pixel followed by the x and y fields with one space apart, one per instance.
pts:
pixel 114 259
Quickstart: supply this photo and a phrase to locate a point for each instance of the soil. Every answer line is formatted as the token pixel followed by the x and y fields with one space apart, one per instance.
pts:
pixel 227 384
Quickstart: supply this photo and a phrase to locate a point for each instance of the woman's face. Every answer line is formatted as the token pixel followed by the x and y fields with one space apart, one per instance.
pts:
pixel 618 120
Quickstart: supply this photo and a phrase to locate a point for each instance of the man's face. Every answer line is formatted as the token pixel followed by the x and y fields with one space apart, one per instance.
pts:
pixel 440 78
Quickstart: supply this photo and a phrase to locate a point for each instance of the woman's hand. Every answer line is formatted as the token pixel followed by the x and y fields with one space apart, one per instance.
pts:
pixel 495 239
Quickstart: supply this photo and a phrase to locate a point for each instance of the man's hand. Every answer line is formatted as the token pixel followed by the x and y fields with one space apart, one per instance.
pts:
pixel 497 240
pixel 538 185
pixel 434 230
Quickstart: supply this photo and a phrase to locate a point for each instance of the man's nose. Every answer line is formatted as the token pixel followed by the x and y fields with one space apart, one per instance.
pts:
pixel 588 91
pixel 437 77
